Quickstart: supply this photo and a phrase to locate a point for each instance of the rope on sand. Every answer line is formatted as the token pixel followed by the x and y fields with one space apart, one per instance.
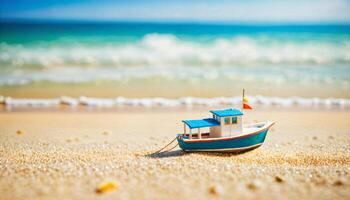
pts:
pixel 160 150
pixel 172 148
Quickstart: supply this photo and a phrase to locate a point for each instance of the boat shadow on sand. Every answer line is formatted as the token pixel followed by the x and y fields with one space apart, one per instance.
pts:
pixel 178 153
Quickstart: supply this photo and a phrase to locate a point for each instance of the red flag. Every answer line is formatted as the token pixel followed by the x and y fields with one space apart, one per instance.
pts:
pixel 246 106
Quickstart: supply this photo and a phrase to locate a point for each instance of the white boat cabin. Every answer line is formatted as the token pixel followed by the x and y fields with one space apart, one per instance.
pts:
pixel 224 123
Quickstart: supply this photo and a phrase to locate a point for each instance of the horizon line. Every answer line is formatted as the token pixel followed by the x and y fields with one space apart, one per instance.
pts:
pixel 185 22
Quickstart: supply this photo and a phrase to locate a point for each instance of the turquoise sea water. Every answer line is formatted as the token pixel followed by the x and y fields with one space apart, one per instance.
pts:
pixel 84 52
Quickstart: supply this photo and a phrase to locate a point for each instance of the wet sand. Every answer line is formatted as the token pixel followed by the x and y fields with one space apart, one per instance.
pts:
pixel 66 155
pixel 170 89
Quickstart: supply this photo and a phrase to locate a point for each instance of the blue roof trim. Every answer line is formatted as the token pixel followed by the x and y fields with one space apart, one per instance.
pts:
pixel 226 112
pixel 200 123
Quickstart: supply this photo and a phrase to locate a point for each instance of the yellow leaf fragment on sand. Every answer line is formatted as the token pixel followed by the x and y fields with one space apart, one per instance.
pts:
pixel 20 132
pixel 106 187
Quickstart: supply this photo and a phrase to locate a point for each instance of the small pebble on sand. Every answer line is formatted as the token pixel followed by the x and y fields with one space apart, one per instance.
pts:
pixel 278 179
pixel 106 187
pixel 215 190
pixel 252 186
pixel 20 132
pixel 338 183
pixel 314 138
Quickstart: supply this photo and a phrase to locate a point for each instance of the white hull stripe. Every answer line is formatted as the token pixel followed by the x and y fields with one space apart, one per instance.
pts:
pixel 229 149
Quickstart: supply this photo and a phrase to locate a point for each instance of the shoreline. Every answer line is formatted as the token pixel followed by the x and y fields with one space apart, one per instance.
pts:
pixel 135 109
pixel 184 102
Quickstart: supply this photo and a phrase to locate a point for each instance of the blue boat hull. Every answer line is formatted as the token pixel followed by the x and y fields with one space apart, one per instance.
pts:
pixel 233 144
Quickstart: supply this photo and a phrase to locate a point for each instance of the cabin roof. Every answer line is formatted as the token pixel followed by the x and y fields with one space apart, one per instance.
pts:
pixel 200 123
pixel 226 112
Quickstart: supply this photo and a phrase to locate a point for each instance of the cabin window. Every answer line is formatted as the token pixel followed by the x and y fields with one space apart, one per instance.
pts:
pixel 227 120
pixel 234 120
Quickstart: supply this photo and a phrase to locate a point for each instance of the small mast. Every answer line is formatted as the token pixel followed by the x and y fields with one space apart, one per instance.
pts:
pixel 245 104
pixel 243 99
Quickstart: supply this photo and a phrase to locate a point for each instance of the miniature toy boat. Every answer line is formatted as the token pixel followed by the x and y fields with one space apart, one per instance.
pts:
pixel 253 136
pixel 226 132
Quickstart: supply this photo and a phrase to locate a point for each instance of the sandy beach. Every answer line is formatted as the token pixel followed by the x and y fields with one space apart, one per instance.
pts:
pixel 91 90
pixel 67 155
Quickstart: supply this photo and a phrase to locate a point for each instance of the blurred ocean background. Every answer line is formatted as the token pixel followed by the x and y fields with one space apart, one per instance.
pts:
pixel 133 59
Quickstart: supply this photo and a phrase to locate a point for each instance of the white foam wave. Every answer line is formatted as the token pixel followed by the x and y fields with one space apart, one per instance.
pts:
pixel 167 102
pixel 336 76
pixel 168 50
pixel 8 101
